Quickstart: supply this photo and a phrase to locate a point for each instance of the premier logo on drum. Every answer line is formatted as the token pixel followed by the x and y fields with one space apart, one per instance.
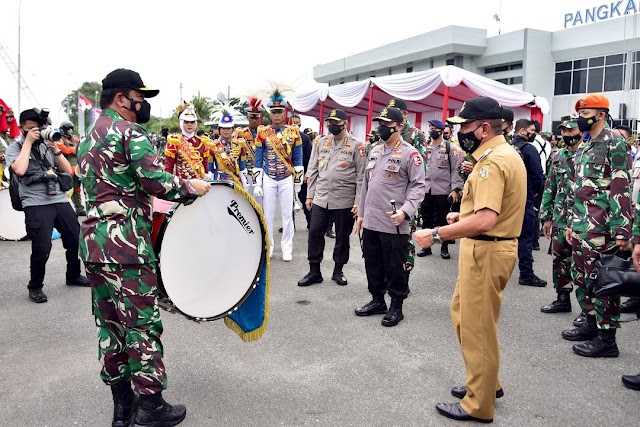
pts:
pixel 234 211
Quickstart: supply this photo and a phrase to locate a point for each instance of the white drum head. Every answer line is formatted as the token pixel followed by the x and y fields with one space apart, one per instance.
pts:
pixel 211 253
pixel 11 221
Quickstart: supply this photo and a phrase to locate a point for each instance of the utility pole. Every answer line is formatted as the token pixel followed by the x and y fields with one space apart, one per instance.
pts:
pixel 181 100
pixel 19 74
pixel 228 93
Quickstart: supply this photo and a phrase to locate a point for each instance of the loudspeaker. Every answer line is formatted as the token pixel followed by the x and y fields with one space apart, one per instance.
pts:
pixel 622 111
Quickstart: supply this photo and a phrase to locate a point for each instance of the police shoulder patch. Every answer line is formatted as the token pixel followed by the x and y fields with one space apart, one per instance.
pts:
pixel 483 172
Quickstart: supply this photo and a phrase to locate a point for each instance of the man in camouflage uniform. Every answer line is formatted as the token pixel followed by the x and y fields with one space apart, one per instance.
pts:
pixel 120 171
pixel 555 212
pixel 601 220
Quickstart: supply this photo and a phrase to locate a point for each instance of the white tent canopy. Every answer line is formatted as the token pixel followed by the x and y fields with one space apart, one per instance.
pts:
pixel 436 93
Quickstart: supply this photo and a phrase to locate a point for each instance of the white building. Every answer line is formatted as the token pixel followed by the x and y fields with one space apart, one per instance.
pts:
pixel 560 66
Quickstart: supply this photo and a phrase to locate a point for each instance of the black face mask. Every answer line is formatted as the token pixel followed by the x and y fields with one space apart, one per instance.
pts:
pixel 446 136
pixel 435 134
pixel 531 137
pixel 585 123
pixel 468 140
pixel 142 116
pixel 385 132
pixel 336 129
pixel 571 140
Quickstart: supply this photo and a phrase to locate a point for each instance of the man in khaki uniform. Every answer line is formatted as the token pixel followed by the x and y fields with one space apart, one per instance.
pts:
pixel 490 219
pixel 335 172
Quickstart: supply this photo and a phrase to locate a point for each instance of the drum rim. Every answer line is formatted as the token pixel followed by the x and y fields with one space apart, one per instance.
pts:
pixel 254 282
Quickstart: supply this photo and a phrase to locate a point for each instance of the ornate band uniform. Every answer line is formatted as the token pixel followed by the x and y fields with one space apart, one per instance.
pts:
pixel 187 155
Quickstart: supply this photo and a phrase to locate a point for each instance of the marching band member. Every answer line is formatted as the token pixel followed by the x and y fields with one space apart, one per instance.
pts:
pixel 278 158
pixel 245 139
pixel 228 158
pixel 187 155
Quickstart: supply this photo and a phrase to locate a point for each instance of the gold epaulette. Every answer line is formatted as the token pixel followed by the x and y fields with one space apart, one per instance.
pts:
pixel 174 139
pixel 205 140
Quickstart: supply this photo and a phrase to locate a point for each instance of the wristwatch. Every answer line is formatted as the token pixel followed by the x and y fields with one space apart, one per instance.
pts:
pixel 59 153
pixel 435 237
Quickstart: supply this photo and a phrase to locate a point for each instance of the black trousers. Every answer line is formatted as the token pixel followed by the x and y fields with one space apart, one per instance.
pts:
pixel 434 210
pixel 384 258
pixel 40 221
pixel 302 196
pixel 320 220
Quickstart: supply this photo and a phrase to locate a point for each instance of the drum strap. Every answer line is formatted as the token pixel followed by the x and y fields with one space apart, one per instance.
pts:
pixel 279 148
pixel 226 164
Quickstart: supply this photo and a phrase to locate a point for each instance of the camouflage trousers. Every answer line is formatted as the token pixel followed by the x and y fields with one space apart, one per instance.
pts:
pixel 586 247
pixel 561 251
pixel 129 326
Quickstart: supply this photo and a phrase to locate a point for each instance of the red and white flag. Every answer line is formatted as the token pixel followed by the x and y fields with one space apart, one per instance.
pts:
pixel 84 103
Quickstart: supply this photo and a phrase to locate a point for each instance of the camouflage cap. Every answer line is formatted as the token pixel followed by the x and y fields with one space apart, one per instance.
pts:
pixel 568 122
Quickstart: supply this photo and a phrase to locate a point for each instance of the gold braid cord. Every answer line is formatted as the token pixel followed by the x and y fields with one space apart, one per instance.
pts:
pixel 225 163
pixel 256 334
pixel 190 156
pixel 282 150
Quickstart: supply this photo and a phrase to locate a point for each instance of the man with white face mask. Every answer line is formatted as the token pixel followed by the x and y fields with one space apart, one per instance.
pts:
pixel 187 155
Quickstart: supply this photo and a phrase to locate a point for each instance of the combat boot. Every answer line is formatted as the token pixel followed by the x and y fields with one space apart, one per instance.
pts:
pixel 631 305
pixel 155 412
pixel 603 345
pixel 338 276
pixel 444 251
pixel 561 305
pixel 394 315
pixel 313 276
pixel 581 320
pixel 125 404
pixel 582 333
pixel 424 252
pixel 376 306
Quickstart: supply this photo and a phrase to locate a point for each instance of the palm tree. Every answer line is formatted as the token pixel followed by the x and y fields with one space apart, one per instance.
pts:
pixel 203 106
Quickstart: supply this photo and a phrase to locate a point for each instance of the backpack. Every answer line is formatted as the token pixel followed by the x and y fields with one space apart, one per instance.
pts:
pixel 14 191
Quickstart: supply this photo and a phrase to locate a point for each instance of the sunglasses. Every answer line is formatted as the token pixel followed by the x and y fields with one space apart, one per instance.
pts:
pixel 254 116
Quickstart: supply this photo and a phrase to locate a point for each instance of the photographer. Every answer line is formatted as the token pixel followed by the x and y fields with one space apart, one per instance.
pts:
pixel 41 168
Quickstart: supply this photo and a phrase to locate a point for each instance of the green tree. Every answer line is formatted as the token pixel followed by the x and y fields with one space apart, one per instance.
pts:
pixel 70 102
pixel 203 106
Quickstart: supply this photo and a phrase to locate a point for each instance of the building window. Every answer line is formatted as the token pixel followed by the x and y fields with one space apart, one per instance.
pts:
pixel 449 61
pixel 501 68
pixel 515 80
pixel 503 81
pixel 517 66
pixel 409 69
pixel 589 75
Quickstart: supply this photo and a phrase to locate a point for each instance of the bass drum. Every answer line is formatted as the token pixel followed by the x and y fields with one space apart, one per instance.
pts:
pixel 211 253
pixel 12 225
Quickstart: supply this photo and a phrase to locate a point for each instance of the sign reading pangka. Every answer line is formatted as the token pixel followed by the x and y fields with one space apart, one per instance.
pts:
pixel 601 13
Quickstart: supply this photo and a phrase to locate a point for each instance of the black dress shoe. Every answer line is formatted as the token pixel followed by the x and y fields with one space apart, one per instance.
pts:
pixel 631 381
pixel 455 412
pixel 532 281
pixel 310 279
pixel 79 280
pixel 424 252
pixel 535 245
pixel 393 317
pixel 461 391
pixel 339 278
pixel 371 308
pixel 632 305
pixel 330 234
pixel 37 296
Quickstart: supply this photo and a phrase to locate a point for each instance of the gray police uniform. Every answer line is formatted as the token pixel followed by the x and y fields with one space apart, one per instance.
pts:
pixel 441 177
pixel 392 173
pixel 335 172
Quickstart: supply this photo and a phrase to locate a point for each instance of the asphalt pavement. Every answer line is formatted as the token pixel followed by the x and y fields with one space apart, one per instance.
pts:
pixel 318 364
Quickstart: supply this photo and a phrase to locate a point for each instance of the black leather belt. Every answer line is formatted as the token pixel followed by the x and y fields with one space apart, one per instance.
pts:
pixel 491 238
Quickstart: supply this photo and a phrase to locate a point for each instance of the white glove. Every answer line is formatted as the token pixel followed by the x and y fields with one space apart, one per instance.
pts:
pixel 208 176
pixel 257 191
pixel 244 177
pixel 257 176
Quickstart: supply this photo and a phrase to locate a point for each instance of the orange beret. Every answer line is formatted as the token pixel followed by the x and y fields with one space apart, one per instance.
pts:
pixel 594 100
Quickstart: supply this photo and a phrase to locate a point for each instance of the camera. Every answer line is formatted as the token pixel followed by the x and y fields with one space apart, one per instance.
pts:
pixel 50 178
pixel 46 133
